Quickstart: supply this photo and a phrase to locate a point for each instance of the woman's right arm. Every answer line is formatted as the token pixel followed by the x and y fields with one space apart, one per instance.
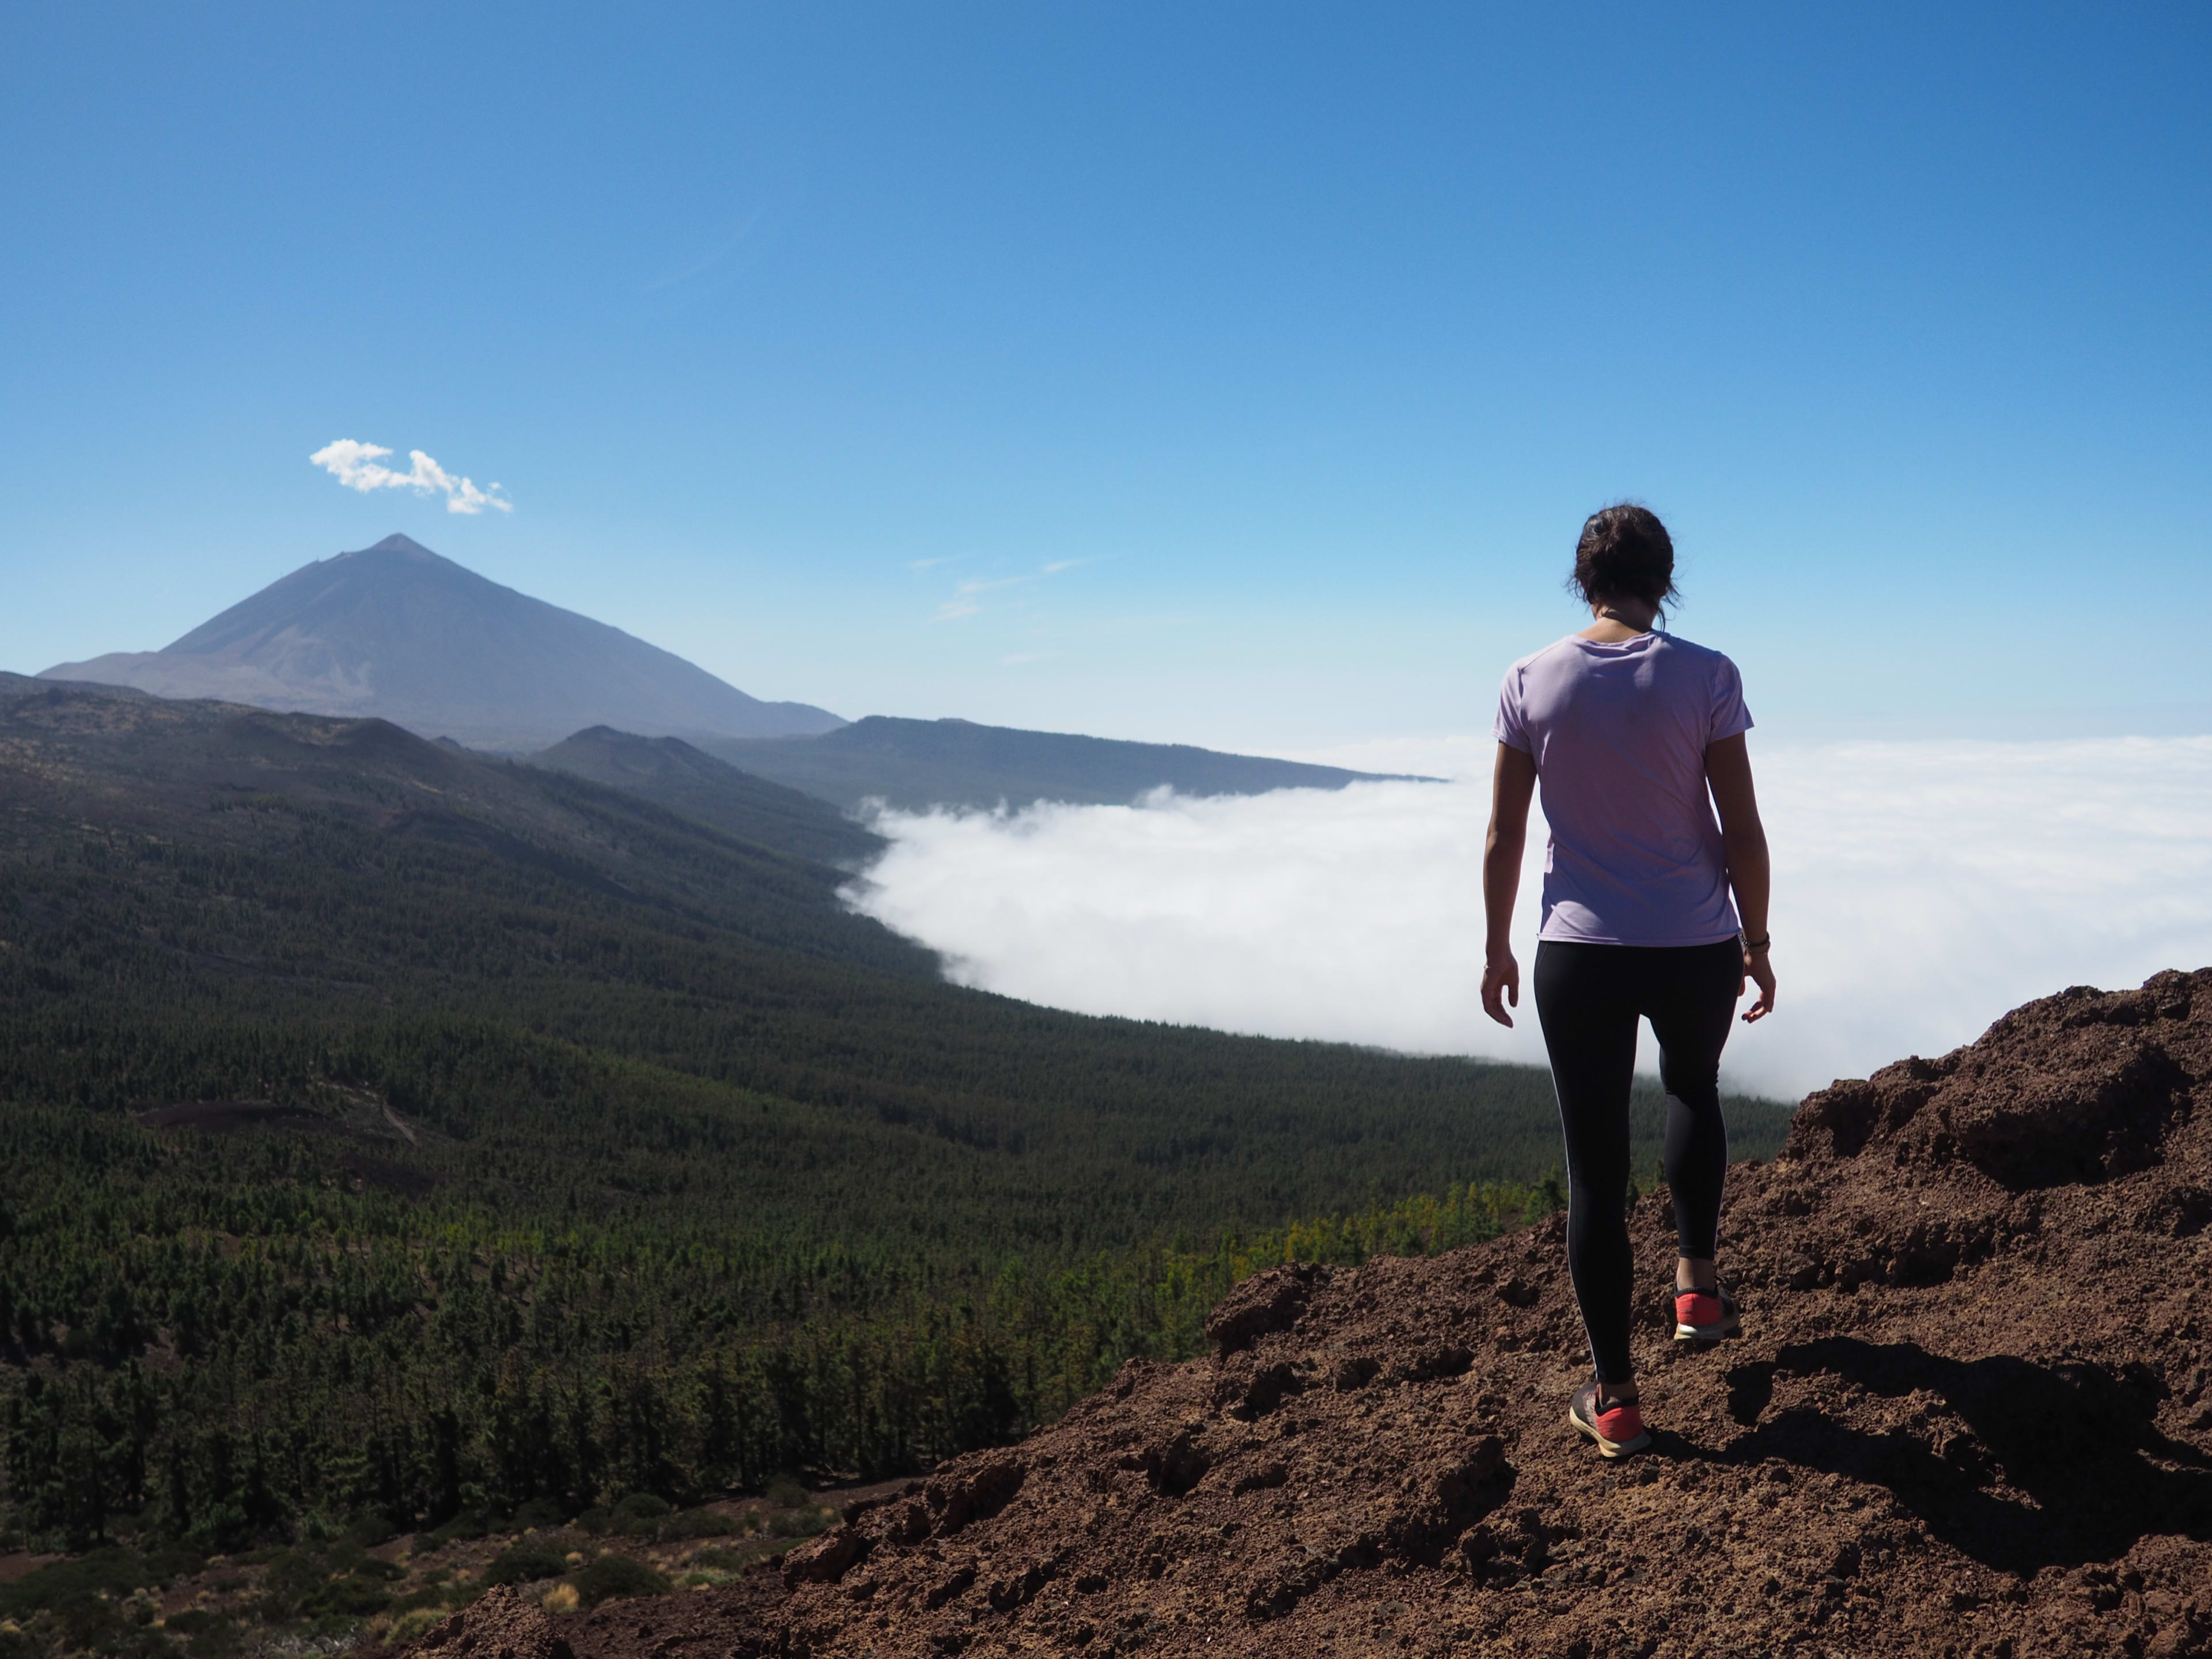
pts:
pixel 1727 774
pixel 1512 785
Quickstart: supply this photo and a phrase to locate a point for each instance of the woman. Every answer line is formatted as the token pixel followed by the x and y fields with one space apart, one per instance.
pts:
pixel 1629 730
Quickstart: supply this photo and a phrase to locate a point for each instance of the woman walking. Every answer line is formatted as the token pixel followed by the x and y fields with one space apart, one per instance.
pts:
pixel 1630 730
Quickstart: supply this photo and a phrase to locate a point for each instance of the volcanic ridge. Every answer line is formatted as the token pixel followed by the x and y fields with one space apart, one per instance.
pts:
pixel 1969 1416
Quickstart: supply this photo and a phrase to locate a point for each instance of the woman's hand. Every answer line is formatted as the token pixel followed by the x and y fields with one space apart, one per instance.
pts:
pixel 1758 967
pixel 1501 984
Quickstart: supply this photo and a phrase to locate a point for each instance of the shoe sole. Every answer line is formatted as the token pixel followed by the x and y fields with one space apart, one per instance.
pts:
pixel 1609 1448
pixel 1720 1332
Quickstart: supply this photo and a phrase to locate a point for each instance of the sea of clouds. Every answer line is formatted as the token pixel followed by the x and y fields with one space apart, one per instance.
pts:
pixel 1921 889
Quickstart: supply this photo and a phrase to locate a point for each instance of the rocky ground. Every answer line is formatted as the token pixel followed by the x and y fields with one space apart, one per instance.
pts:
pixel 1969 1416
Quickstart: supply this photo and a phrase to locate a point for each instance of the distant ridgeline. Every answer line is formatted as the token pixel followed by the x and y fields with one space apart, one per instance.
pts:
pixel 917 764
pixel 386 1127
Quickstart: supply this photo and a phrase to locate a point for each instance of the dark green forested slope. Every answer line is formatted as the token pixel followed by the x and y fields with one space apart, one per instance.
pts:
pixel 386 1127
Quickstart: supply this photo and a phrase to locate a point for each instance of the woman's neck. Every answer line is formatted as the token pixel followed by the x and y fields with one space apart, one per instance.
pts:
pixel 1620 619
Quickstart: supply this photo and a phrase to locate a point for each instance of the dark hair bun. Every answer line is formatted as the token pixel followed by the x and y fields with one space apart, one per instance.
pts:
pixel 1625 553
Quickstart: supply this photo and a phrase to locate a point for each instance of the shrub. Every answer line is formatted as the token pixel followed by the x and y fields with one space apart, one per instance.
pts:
pixel 470 1523
pixel 370 1528
pixel 799 1523
pixel 732 1558
pixel 784 1492
pixel 699 1524
pixel 408 1626
pixel 612 1578
pixel 207 1635
pixel 342 1582
pixel 105 1573
pixel 524 1563
pixel 641 1506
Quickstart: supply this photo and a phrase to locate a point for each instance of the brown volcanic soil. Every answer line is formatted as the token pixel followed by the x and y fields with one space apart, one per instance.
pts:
pixel 1969 1417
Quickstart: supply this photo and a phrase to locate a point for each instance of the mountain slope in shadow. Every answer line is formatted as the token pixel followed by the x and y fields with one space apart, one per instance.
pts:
pixel 673 774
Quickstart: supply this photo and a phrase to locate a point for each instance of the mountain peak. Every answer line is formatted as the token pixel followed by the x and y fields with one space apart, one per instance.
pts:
pixel 397 543
pixel 398 631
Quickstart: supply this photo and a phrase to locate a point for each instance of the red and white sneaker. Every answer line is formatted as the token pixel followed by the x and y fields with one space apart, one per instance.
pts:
pixel 1706 1316
pixel 1618 1429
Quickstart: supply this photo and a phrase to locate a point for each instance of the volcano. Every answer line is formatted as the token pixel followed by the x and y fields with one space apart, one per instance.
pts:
pixel 398 632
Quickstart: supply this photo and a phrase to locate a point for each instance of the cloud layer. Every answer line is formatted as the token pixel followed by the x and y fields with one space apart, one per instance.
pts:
pixel 359 466
pixel 1922 889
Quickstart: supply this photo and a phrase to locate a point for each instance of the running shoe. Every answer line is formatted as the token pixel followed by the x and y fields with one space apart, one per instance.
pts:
pixel 1705 1315
pixel 1618 1429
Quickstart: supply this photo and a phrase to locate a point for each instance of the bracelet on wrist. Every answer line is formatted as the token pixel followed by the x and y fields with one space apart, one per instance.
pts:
pixel 1753 945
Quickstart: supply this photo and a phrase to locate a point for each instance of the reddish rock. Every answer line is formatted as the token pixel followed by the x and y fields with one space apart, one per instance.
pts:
pixel 500 1625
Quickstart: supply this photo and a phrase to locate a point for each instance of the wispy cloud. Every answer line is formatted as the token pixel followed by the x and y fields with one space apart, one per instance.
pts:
pixel 1921 889
pixel 360 466
pixel 691 269
pixel 965 600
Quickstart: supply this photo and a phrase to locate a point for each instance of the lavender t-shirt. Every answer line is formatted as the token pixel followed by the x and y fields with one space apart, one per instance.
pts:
pixel 1618 732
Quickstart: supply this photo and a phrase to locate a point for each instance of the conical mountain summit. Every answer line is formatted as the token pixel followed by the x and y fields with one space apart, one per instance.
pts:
pixel 397 631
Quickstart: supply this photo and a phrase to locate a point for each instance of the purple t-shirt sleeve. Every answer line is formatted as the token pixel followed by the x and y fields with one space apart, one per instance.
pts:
pixel 1731 718
pixel 1512 726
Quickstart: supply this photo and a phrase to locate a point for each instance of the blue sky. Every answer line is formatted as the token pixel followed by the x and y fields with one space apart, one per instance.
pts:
pixel 1232 374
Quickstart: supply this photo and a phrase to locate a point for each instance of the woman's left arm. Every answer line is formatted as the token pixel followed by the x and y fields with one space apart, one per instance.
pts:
pixel 1727 774
pixel 1512 785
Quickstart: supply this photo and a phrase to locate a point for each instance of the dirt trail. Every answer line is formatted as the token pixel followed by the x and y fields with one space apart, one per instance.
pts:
pixel 1970 1416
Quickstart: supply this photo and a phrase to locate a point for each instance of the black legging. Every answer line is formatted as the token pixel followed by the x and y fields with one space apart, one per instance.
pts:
pixel 1588 998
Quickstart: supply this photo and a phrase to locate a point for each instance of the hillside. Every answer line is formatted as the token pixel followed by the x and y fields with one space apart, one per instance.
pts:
pixel 396 632
pixel 1969 1413
pixel 205 863
pixel 389 1130
pixel 671 773
pixel 917 764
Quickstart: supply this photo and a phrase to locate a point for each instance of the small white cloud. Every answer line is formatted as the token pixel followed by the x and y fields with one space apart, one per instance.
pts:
pixel 360 466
